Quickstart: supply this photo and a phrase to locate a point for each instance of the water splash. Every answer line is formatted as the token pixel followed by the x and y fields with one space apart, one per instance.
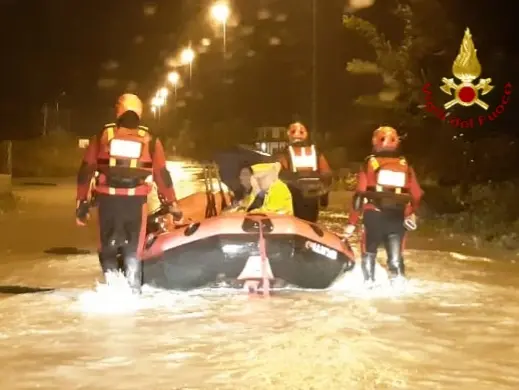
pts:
pixel 352 284
pixel 113 297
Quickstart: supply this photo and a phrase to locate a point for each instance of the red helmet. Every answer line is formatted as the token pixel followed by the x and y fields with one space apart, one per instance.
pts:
pixel 297 132
pixel 385 138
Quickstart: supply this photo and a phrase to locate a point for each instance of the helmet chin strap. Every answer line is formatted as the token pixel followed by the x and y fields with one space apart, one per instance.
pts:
pixel 381 152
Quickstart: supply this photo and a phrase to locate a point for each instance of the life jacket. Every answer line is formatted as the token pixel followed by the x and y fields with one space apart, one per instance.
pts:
pixel 303 158
pixel 125 160
pixel 387 178
pixel 303 164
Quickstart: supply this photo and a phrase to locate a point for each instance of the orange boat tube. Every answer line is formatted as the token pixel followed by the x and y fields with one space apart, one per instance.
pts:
pixel 220 250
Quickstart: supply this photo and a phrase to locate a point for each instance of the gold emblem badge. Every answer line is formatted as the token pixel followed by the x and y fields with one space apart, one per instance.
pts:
pixel 466 68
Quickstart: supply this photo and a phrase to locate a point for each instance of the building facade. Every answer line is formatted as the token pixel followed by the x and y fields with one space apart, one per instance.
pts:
pixel 271 139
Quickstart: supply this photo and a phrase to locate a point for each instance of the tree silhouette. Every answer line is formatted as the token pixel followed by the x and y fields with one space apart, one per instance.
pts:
pixel 403 65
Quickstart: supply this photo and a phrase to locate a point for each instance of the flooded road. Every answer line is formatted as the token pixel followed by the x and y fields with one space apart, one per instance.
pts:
pixel 454 326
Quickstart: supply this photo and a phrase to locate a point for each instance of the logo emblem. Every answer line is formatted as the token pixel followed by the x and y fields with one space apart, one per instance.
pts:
pixel 466 68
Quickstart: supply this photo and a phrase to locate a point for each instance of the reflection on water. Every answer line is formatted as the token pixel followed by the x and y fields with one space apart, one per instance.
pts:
pixel 453 326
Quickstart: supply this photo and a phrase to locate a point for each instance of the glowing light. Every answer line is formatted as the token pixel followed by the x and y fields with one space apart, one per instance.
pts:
pixel 163 93
pixel 187 56
pixel 83 143
pixel 158 101
pixel 220 12
pixel 174 78
pixel 178 171
pixel 354 5
pixel 205 42
pixel 154 109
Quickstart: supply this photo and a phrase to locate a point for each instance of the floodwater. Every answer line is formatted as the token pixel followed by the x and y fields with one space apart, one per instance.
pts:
pixel 453 326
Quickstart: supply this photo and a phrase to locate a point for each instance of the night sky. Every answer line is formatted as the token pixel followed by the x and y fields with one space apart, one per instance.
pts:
pixel 86 53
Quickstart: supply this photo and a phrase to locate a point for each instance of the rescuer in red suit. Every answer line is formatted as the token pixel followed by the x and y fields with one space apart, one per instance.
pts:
pixel 128 159
pixel 306 172
pixel 388 195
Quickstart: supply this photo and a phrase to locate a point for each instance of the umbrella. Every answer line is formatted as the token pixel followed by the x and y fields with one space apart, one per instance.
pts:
pixel 232 160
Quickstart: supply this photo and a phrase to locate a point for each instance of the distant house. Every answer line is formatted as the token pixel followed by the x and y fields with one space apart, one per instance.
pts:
pixel 271 139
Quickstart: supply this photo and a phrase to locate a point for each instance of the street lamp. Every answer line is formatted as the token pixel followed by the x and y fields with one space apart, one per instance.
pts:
pixel 163 93
pixel 220 12
pixel 174 79
pixel 187 56
pixel 156 104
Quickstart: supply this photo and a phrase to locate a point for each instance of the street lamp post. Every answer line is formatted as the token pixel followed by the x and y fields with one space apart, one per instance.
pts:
pixel 220 12
pixel 187 56
pixel 58 113
pixel 163 94
pixel 174 79
pixel 157 103
pixel 314 67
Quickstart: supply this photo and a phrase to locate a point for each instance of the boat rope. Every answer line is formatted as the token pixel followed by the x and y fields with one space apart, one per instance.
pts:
pixel 264 260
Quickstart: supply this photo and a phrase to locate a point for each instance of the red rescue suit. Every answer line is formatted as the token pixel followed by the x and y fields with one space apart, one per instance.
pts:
pixel 308 176
pixel 127 161
pixel 387 192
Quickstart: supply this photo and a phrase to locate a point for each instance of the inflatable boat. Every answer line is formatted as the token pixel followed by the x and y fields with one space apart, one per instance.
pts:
pixel 235 248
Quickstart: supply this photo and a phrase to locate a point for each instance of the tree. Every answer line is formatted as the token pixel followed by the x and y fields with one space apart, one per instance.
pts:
pixel 403 65
pixel 422 52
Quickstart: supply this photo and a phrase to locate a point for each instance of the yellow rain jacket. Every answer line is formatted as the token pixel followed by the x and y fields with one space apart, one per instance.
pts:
pixel 278 198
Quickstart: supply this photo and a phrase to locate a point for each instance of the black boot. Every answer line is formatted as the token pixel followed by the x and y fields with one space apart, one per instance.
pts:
pixel 395 259
pixel 108 261
pixel 368 266
pixel 133 272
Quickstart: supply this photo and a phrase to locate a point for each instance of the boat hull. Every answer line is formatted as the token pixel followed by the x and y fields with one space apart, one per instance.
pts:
pixel 302 258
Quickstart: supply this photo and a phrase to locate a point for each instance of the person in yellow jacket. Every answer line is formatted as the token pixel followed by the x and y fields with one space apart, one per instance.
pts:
pixel 269 194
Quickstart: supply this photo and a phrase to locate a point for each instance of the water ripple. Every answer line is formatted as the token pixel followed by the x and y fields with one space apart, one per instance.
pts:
pixel 453 325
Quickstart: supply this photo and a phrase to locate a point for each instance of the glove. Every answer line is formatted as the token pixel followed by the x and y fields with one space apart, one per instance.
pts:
pixel 168 222
pixel 410 222
pixel 348 230
pixel 175 211
pixel 82 212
